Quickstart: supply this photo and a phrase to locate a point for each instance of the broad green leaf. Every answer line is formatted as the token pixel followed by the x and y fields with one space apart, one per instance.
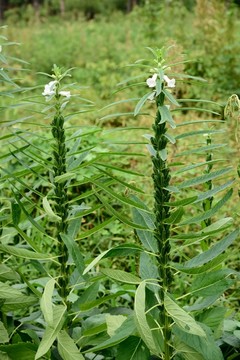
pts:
pixel 127 329
pixel 141 103
pixel 113 323
pixel 74 250
pixel 148 269
pixel 85 306
pixel 132 348
pixel 19 351
pixel 51 332
pixel 213 252
pixel 49 211
pixel 4 338
pixel 19 302
pixel 204 346
pixel 23 253
pixel 214 318
pixel 181 318
pixel 121 276
pixel 67 347
pixel 8 292
pixel 186 351
pixel 46 302
pixel 209 213
pixel 141 320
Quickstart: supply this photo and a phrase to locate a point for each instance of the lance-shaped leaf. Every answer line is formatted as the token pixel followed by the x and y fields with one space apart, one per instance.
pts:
pixel 121 276
pixel 67 347
pixel 52 331
pixel 46 302
pixel 182 318
pixel 143 327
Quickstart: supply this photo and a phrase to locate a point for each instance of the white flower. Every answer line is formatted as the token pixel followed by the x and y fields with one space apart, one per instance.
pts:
pixel 170 82
pixel 50 88
pixel 151 82
pixel 65 93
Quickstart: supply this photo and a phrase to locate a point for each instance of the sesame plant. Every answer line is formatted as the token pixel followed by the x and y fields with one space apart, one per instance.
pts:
pixel 60 296
pixel 183 281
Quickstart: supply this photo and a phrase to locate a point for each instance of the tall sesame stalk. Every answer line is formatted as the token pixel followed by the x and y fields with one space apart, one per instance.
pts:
pixel 161 177
pixel 52 91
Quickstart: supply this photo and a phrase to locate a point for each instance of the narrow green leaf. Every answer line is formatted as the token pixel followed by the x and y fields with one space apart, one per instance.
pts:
pixel 166 116
pixel 209 213
pixel 121 250
pixel 182 202
pixel 175 216
pixel 214 282
pixel 96 228
pixel 74 250
pixel 122 199
pixel 4 338
pixel 204 178
pixel 51 332
pixel 181 318
pixel 213 252
pixel 68 350
pixel 118 215
pixel 141 320
pixel 214 191
pixel 202 149
pixel 170 97
pixel 16 213
pixel 127 329
pixel 23 253
pixel 46 304
pixel 6 273
pixel 141 103
pixel 121 276
pixel 49 211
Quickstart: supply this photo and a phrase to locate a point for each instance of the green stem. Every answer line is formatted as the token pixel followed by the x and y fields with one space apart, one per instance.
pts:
pixel 61 203
pixel 161 178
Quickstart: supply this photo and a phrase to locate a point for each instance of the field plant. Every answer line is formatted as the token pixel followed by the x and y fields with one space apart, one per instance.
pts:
pixel 60 296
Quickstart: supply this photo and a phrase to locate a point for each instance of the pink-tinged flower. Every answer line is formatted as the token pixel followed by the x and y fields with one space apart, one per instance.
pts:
pixel 65 93
pixel 50 89
pixel 170 82
pixel 151 82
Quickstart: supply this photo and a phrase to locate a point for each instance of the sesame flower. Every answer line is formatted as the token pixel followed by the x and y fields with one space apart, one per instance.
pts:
pixel 170 82
pixel 50 89
pixel 65 93
pixel 151 82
